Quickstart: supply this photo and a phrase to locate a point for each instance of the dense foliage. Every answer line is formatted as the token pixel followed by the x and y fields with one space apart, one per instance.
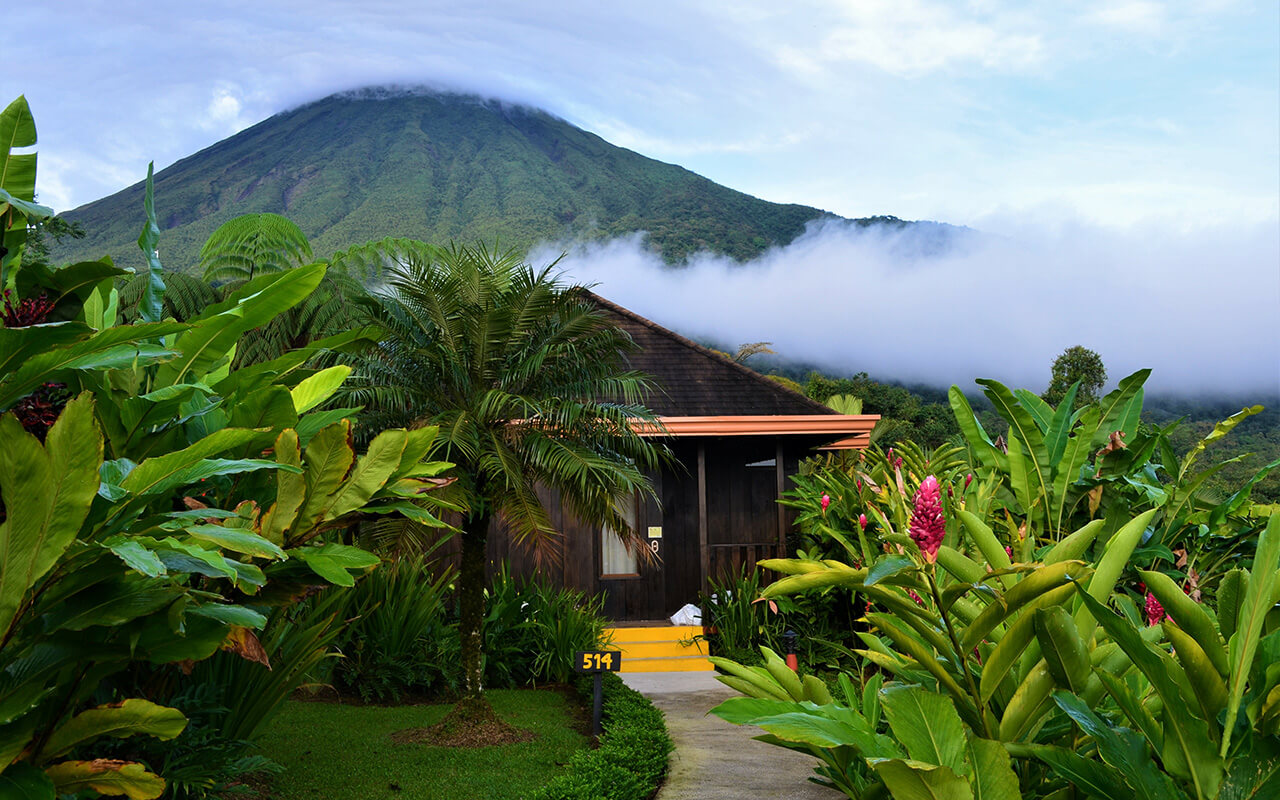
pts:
pixel 155 504
pixel 1063 611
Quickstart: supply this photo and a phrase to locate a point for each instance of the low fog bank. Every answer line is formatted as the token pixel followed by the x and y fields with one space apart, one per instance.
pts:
pixel 1201 308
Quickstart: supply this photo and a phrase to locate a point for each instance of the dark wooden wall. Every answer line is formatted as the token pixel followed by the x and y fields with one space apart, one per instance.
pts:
pixel 744 525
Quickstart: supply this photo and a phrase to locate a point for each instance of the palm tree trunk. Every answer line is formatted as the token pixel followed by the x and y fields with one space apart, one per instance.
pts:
pixel 471 584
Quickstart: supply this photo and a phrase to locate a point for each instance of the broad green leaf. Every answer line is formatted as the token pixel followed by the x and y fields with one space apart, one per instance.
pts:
pixel 130 718
pixel 138 558
pixel 24 782
pixel 1109 567
pixel 231 615
pixel 927 725
pixel 1032 586
pixel 19 344
pixel 162 470
pixel 1186 737
pixel 311 424
pixel 371 473
pixel 1058 431
pixel 910 780
pixel 327 458
pixel 887 566
pixel 1039 410
pixel 291 489
pixel 113 347
pixel 1022 426
pixel 332 561
pixel 818 731
pixel 1015 640
pixel 1189 615
pixel 745 710
pixel 110 603
pixel 318 388
pixel 1064 651
pixel 1075 455
pixel 217 330
pixel 1122 749
pixel 106 776
pixel 236 540
pixel 48 491
pixel 1115 407
pixel 992 776
pixel 1258 601
pixel 151 304
pixel 1231 592
pixel 1093 777
pixel 974 434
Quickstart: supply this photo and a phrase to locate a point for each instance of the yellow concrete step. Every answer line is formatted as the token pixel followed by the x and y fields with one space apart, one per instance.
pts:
pixel 679 664
pixel 659 649
pixel 665 633
pixel 664 648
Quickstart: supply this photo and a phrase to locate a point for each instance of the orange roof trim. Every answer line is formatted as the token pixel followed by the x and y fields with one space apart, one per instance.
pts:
pixel 845 426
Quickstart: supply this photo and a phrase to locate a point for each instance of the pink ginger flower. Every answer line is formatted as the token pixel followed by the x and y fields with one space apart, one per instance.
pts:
pixel 927 523
pixel 915 597
pixel 859 484
pixel 862 521
pixel 897 463
pixel 826 501
pixel 968 479
pixel 1008 549
pixel 1155 611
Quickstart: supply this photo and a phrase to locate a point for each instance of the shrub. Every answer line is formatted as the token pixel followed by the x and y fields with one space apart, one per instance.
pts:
pixel 632 757
pixel 396 631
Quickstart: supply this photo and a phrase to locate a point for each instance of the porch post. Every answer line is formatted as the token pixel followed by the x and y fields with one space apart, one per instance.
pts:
pixel 781 474
pixel 703 546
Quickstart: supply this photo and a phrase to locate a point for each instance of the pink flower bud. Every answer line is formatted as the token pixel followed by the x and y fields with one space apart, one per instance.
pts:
pixel 968 479
pixel 826 501
pixel 897 463
pixel 862 521
pixel 1155 611
pixel 928 526
pixel 951 493
pixel 1009 551
pixel 859 484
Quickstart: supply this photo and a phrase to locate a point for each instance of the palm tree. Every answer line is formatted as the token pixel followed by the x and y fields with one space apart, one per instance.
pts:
pixel 525 378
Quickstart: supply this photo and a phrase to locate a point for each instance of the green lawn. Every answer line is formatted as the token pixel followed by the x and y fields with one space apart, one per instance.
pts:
pixel 342 752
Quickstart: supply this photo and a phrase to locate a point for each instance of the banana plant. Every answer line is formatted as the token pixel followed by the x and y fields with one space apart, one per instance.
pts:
pixel 1047 448
pixel 1207 704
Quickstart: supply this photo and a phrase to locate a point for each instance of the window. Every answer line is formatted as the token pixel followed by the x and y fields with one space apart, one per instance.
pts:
pixel 615 559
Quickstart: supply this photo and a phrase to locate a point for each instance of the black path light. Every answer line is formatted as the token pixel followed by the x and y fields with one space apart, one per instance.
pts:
pixel 789 640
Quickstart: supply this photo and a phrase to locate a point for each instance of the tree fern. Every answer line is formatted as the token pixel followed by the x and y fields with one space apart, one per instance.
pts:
pixel 252 244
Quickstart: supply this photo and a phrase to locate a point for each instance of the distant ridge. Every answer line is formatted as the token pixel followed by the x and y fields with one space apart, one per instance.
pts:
pixel 434 165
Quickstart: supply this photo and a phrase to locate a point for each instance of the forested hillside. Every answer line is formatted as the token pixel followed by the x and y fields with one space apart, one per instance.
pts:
pixel 361 166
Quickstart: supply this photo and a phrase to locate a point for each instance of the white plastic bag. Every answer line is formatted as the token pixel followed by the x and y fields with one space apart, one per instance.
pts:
pixel 689 614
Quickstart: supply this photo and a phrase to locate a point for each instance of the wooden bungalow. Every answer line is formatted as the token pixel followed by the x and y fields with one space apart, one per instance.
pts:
pixel 738 436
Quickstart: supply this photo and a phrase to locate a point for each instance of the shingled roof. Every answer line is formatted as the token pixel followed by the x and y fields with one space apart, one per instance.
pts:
pixel 695 381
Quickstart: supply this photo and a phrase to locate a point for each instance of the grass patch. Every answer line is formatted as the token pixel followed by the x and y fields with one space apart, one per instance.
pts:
pixel 344 752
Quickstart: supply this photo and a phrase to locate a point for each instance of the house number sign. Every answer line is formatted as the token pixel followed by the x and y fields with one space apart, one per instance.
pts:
pixel 599 661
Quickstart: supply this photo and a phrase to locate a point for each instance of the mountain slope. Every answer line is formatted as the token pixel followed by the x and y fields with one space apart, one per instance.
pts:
pixel 365 165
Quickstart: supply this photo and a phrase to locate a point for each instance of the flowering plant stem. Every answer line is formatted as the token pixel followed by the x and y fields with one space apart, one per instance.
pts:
pixel 931 576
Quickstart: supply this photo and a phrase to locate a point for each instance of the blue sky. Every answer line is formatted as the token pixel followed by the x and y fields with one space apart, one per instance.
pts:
pixel 1125 155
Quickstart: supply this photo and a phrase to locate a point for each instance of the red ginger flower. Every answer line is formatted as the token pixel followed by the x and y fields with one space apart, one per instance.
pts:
pixel 862 521
pixel 1155 611
pixel 927 523
pixel 826 501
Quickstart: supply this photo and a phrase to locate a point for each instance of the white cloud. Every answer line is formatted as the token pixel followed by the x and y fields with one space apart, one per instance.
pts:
pixel 1140 16
pixel 1196 306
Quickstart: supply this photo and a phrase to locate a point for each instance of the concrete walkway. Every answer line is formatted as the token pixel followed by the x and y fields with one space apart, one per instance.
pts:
pixel 714 760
